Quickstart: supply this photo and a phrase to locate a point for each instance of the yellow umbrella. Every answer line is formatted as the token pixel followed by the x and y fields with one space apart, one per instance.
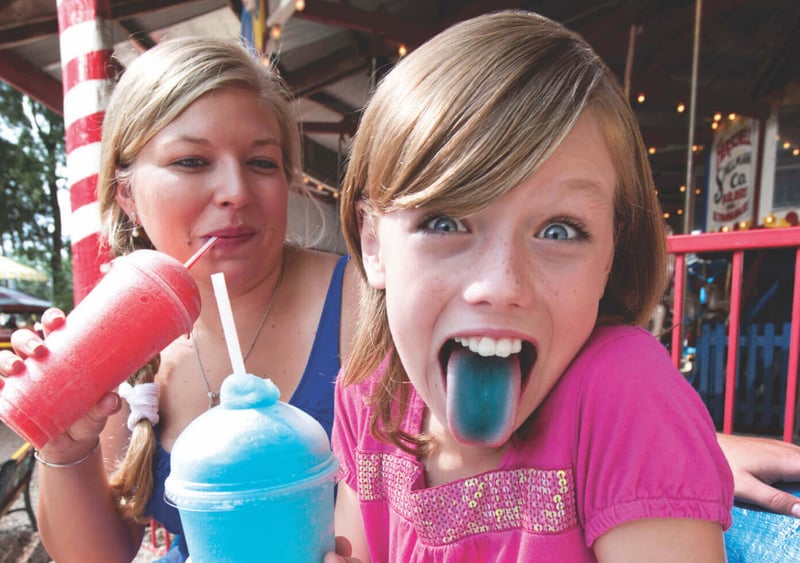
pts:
pixel 10 270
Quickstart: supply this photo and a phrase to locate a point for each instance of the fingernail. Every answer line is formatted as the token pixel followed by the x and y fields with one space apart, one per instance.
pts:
pixel 37 348
pixel 796 510
pixel 16 366
pixel 117 403
pixel 13 366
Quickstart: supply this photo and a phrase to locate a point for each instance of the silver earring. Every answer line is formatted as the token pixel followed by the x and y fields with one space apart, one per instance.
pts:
pixel 135 230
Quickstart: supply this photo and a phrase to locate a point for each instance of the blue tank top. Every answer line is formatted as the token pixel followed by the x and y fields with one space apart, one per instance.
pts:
pixel 314 395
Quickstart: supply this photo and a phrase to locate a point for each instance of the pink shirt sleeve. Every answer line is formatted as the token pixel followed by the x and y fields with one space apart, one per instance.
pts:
pixel 661 462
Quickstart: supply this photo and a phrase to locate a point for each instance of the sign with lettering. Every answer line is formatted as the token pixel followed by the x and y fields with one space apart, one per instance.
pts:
pixel 732 174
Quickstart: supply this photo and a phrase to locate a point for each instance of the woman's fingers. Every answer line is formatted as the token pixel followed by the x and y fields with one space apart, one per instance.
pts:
pixel 10 363
pixel 766 496
pixel 27 343
pixel 85 432
pixel 53 319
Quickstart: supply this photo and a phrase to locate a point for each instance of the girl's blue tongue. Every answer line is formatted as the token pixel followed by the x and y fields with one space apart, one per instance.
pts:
pixel 482 397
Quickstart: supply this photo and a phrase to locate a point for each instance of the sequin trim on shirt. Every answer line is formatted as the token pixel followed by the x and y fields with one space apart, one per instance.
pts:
pixel 539 501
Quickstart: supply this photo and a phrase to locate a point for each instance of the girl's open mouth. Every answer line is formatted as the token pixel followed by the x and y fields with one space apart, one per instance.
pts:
pixel 484 379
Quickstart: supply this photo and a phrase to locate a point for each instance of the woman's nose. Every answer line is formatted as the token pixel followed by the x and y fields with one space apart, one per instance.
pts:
pixel 230 185
pixel 501 276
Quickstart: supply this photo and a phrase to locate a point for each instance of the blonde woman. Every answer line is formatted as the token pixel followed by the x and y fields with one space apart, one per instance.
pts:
pixel 198 141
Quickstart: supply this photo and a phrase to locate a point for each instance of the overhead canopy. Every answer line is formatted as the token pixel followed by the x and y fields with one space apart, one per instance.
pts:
pixel 330 51
pixel 12 301
pixel 11 270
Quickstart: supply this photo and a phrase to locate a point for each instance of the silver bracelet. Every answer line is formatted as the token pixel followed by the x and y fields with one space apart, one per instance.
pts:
pixel 46 463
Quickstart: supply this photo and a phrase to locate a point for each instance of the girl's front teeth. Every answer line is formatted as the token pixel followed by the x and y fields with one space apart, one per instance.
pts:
pixel 486 346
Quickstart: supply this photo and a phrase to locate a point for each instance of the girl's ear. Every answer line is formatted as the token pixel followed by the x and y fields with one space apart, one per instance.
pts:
pixel 370 246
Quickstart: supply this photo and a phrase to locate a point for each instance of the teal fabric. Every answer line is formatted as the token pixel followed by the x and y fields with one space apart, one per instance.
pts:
pixel 758 536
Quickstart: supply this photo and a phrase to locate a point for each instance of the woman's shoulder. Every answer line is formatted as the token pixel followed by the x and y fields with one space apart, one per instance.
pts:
pixel 308 272
pixel 317 267
pixel 309 258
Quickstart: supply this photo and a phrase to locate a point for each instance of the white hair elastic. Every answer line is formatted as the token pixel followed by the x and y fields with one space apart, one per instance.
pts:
pixel 143 400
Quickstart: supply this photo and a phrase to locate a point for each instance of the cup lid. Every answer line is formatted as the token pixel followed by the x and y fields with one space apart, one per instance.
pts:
pixel 249 447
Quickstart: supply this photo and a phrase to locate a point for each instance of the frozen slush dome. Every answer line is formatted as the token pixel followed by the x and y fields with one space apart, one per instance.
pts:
pixel 247 391
pixel 248 448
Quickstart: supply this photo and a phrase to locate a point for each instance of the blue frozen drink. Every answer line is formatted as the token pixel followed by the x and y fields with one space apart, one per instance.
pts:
pixel 253 479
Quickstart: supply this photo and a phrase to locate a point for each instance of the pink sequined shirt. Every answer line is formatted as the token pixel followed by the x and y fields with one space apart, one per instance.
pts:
pixel 622 436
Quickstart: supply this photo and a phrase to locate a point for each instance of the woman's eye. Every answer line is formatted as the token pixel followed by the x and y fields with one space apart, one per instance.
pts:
pixel 265 163
pixel 444 224
pixel 561 231
pixel 190 162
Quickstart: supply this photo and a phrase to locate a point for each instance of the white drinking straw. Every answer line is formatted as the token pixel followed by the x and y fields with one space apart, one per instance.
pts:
pixel 228 326
pixel 202 250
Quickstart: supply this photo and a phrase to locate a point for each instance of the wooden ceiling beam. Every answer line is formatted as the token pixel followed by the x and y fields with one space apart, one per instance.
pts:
pixel 31 80
pixel 393 29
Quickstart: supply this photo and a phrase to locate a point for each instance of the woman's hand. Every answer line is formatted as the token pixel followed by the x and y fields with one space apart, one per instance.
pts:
pixel 757 463
pixel 26 343
pixel 82 436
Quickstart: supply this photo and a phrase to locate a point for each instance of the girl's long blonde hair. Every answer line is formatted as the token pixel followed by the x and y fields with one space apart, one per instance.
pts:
pixel 463 120
pixel 155 89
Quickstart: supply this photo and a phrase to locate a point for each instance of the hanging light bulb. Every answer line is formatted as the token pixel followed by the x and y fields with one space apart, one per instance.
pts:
pixel 681 107
pixel 275 32
pixel 731 116
pixel 717 116
pixel 402 50
pixel 682 189
pixel 715 125
pixel 640 98
pixel 300 5
pixel 651 150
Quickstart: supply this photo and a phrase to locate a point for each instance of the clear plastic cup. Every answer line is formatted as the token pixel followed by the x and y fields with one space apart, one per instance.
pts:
pixel 253 479
pixel 145 301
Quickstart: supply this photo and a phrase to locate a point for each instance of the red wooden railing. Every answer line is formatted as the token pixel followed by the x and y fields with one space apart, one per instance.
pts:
pixel 738 242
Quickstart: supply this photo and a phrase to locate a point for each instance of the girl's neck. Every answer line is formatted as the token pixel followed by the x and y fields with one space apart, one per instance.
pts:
pixel 450 460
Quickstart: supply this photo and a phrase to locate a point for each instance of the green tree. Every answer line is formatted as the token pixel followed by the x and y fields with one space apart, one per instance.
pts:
pixel 32 163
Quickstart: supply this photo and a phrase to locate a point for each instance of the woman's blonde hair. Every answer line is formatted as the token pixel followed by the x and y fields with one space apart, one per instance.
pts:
pixel 462 121
pixel 155 89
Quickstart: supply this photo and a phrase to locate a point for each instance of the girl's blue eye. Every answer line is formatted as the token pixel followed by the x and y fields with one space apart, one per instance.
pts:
pixel 444 224
pixel 561 231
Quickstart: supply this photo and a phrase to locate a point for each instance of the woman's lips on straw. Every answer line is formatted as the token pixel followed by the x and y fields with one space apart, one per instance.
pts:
pixel 202 250
pixel 232 236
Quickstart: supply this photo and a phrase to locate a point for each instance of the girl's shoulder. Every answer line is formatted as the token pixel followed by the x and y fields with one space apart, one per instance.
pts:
pixel 610 342
pixel 620 361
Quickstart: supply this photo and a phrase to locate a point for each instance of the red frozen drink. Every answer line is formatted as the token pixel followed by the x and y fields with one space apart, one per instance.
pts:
pixel 145 301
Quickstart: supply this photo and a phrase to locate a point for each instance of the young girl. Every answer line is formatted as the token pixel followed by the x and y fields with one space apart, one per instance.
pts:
pixel 501 401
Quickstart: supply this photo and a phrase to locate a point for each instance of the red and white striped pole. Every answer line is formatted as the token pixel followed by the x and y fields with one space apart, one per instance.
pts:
pixel 85 62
